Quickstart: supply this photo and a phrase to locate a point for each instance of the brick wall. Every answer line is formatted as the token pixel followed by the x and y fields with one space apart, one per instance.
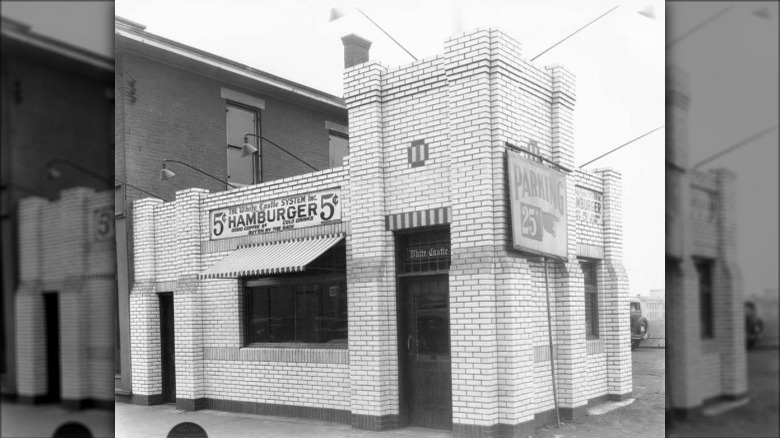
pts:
pixel 62 253
pixel 701 212
pixel 461 108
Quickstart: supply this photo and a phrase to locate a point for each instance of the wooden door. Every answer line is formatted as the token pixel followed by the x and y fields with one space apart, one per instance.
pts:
pixel 53 369
pixel 167 347
pixel 424 351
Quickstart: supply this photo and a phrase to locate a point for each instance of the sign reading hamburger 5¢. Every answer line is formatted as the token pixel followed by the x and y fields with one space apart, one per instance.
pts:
pixel 291 212
pixel 537 195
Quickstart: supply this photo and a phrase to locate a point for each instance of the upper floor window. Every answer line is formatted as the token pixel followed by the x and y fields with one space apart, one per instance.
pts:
pixel 241 120
pixel 338 146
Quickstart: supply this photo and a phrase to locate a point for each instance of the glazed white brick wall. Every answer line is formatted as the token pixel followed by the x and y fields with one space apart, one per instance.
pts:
pixel 465 104
pixel 59 253
pixel 170 252
pixel 703 368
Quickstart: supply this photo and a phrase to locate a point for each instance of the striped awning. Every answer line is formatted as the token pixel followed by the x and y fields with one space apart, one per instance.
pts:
pixel 271 258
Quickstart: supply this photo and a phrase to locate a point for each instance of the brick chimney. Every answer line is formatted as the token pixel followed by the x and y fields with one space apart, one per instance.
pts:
pixel 355 50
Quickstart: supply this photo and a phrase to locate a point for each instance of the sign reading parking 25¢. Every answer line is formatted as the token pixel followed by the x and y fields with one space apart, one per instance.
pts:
pixel 288 213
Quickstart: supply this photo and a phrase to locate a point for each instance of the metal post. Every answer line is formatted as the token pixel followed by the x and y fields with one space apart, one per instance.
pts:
pixel 549 335
pixel 262 158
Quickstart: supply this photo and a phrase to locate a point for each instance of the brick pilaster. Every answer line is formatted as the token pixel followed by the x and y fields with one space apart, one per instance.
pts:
pixel 475 380
pixel 29 310
pixel 187 301
pixel 728 294
pixel 614 292
pixel 373 360
pixel 144 304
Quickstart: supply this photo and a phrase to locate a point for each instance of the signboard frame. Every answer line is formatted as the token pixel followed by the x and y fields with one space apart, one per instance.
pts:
pixel 545 207
pixel 284 213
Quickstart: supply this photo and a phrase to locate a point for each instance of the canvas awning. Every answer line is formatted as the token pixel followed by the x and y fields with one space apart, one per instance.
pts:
pixel 271 258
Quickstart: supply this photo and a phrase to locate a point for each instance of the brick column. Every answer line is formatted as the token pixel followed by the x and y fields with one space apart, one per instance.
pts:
pixel 373 361
pixel 683 332
pixel 613 291
pixel 474 234
pixel 728 294
pixel 566 279
pixel 145 307
pixel 30 324
pixel 68 221
pixel 190 387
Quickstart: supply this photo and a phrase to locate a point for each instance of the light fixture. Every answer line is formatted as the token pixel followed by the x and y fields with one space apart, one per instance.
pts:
pixel 249 149
pixel 336 13
pixel 166 174
pixel 648 12
pixel 52 172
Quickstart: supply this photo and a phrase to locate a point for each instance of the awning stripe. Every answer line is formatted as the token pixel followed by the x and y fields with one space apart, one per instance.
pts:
pixel 271 258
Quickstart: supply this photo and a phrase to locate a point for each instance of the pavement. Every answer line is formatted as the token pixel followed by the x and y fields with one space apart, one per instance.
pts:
pixel 755 417
pixel 639 417
pixel 40 421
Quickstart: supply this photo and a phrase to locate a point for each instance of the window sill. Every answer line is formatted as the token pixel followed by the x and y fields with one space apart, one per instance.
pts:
pixel 293 345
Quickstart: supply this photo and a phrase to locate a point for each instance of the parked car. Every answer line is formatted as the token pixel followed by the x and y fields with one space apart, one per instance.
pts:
pixel 753 324
pixel 640 328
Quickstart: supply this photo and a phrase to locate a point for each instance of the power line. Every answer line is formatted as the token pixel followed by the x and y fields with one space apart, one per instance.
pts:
pixel 735 147
pixel 622 145
pixel 704 23
pixel 575 32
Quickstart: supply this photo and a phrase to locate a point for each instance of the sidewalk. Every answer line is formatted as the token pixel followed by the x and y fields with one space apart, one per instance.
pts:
pixel 134 421
pixel 642 417
pixel 758 417
pixel 22 421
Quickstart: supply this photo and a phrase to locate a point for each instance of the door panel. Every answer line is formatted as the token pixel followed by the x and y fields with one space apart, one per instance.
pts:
pixel 425 352
pixel 52 310
pixel 167 347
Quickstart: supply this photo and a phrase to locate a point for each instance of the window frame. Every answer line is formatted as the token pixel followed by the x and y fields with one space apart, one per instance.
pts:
pixel 249 284
pixel 706 296
pixel 592 291
pixel 256 156
pixel 333 133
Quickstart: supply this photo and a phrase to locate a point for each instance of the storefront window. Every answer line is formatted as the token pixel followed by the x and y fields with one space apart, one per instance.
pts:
pixel 308 307
pixel 591 300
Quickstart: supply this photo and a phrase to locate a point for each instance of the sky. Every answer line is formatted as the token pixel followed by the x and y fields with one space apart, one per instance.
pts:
pixel 618 62
pixel 733 68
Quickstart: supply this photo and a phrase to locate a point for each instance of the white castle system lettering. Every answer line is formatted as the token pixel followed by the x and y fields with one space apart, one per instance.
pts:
pixel 299 211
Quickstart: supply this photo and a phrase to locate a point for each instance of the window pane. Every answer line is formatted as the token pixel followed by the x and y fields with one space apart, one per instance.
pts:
pixel 241 170
pixel 333 320
pixel 589 314
pixel 339 148
pixel 239 122
pixel 259 322
pixel 282 314
pixel 432 323
pixel 307 312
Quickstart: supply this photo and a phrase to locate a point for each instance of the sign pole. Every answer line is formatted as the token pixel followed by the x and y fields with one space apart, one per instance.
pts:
pixel 549 335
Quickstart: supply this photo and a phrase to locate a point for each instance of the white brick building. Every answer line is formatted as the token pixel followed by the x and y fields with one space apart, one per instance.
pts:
pixel 431 317
pixel 706 357
pixel 65 299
